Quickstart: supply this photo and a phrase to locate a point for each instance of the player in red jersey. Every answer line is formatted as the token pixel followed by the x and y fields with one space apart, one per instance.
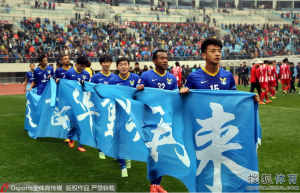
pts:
pixel 272 78
pixel 177 72
pixel 254 78
pixel 285 76
pixel 263 81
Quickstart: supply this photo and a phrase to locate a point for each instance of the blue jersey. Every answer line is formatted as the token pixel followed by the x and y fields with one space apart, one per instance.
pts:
pixel 102 78
pixel 130 81
pixel 60 72
pixel 201 79
pixel 40 78
pixel 153 79
pixel 30 77
pixel 73 74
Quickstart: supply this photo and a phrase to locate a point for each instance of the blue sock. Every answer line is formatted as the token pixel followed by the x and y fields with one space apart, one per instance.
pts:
pixel 99 150
pixel 122 163
pixel 153 182
pixel 158 180
pixel 79 145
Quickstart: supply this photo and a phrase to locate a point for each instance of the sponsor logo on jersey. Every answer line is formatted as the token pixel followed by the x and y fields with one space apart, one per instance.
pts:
pixel 49 71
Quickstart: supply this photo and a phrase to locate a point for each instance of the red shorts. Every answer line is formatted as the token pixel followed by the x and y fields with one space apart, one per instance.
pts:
pixel 263 85
pixel 285 81
pixel 272 83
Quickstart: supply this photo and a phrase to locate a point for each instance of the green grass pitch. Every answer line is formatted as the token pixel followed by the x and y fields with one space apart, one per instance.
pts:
pixel 49 160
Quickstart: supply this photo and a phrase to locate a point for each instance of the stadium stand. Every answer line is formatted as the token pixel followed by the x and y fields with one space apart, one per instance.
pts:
pixel 29 28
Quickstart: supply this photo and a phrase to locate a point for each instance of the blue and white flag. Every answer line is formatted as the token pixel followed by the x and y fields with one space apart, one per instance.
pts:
pixel 207 139
pixel 225 133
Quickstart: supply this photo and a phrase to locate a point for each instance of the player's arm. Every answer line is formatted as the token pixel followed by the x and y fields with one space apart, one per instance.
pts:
pixel 232 83
pixel 26 82
pixel 141 82
pixel 32 85
pixel 189 84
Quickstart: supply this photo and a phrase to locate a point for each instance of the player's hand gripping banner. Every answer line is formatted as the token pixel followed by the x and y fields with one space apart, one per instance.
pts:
pixel 207 139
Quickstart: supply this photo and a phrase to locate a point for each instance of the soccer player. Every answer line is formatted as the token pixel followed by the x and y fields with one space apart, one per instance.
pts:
pixel 263 81
pixel 254 79
pixel 89 69
pixel 177 72
pixel 41 75
pixel 272 78
pixel 211 76
pixel 158 78
pixel 103 77
pixel 60 72
pixel 285 75
pixel 79 74
pixel 29 77
pixel 125 78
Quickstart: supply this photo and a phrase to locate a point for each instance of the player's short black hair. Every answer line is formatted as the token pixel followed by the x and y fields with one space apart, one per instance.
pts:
pixel 137 63
pixel 81 60
pixel 63 56
pixel 89 64
pixel 285 60
pixel 210 41
pixel 121 60
pixel 266 61
pixel 270 62
pixel 244 62
pixel 41 57
pixel 155 53
pixel 31 63
pixel 177 63
pixel 105 58
pixel 274 61
pixel 291 63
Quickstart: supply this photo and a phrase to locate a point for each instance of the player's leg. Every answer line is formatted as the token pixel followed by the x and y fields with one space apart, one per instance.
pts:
pixel 252 87
pixel 128 163
pixel 80 147
pixel 156 187
pixel 257 86
pixel 273 91
pixel 263 93
pixel 101 154
pixel 124 173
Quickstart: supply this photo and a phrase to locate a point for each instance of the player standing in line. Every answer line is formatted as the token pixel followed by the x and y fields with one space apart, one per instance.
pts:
pixel 263 81
pixel 285 75
pixel 41 75
pixel 60 72
pixel 158 78
pixel 254 78
pixel 29 77
pixel 103 77
pixel 125 78
pixel 272 79
pixel 211 76
pixel 177 72
pixel 79 74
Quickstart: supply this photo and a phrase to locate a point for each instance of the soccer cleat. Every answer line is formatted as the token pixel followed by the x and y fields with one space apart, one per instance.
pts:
pixel 101 155
pixel 273 97
pixel 67 141
pixel 262 103
pixel 81 149
pixel 160 189
pixel 128 164
pixel 124 173
pixel 269 101
pixel 153 188
pixel 284 93
pixel 71 143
